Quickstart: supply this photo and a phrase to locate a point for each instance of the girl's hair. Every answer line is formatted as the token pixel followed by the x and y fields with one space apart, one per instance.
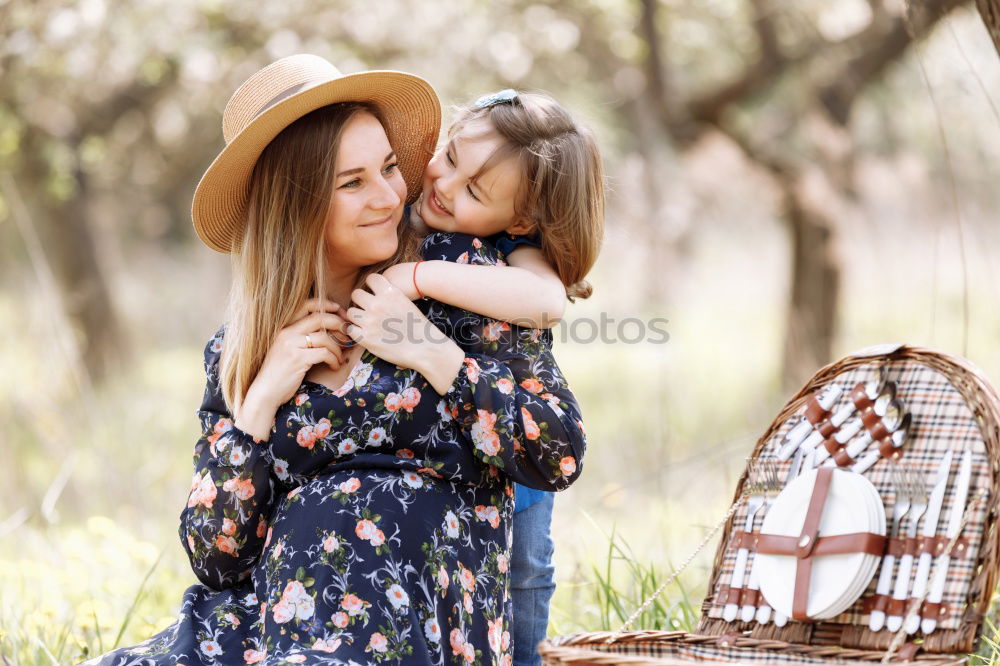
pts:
pixel 279 261
pixel 562 186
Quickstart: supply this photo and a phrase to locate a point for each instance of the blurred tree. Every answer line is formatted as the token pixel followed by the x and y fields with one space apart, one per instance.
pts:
pixel 785 98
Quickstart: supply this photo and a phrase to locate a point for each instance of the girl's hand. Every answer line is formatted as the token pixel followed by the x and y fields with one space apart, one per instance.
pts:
pixel 400 276
pixel 293 353
pixel 388 325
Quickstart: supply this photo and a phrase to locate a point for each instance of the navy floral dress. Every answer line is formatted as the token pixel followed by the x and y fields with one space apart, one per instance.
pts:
pixel 374 525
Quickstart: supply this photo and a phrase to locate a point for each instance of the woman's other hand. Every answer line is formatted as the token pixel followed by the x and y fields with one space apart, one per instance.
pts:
pixel 299 346
pixel 386 323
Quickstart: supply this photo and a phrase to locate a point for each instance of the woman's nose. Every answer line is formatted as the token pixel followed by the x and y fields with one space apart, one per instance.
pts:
pixel 386 195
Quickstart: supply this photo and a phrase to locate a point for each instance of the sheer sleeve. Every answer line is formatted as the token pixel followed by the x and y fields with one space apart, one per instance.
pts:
pixel 224 524
pixel 510 397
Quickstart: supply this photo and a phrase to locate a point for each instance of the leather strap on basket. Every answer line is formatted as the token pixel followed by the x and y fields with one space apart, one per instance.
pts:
pixel 809 544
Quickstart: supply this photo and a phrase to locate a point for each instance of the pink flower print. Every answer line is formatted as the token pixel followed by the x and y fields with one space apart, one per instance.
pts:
pixel 532 385
pixel 350 486
pixel 267 541
pixel 493 329
pixel 494 632
pixel 411 398
pixel 466 578
pixel 476 243
pixel 221 426
pixel 472 370
pixel 503 562
pixel 205 492
pixel 345 389
pixel 283 611
pixel 457 639
pixel 567 465
pixel 296 658
pixel 463 258
pixel 531 429
pixel 365 529
pixel 306 437
pixel 378 538
pixel 467 602
pixel 483 435
pixel 377 643
pixel 261 527
pixel 226 544
pixel 294 492
pixel 330 543
pixel 340 619
pixel 406 454
pixel 393 402
pixel 412 479
pixel 432 630
pixel 505 641
pixel 301 603
pixel 326 645
pixel 376 437
pixel 443 580
pixel 505 386
pixel 242 488
pixel 228 527
pixel 232 620
pixel 254 656
pixel 353 604
pixel 301 398
pixel 322 429
pixel 469 652
pixel 488 514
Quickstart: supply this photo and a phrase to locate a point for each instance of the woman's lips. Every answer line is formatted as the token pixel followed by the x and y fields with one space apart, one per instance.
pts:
pixel 380 223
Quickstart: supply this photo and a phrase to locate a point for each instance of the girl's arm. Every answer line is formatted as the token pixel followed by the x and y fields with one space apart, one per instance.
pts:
pixel 527 293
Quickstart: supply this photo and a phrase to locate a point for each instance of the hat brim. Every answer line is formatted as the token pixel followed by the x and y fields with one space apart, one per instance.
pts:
pixel 411 114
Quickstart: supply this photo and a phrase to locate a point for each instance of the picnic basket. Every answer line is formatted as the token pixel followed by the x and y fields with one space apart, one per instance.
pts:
pixel 953 406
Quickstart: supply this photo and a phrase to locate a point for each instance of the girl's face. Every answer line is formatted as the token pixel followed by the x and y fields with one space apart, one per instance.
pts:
pixel 368 197
pixel 452 201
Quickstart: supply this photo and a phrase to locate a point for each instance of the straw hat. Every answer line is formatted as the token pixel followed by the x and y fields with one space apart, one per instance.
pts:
pixel 281 93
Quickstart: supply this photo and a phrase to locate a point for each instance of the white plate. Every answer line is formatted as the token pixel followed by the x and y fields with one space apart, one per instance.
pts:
pixel 853 505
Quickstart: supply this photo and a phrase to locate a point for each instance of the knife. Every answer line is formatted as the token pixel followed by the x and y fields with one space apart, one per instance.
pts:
pixel 930 529
pixel 928 625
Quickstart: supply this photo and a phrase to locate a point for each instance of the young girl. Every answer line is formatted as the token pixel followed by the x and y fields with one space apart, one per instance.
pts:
pixel 518 182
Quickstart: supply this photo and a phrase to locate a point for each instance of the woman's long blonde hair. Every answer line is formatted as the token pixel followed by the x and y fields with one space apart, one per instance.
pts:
pixel 279 261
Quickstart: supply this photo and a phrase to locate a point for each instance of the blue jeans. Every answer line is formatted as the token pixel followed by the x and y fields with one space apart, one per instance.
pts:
pixel 532 579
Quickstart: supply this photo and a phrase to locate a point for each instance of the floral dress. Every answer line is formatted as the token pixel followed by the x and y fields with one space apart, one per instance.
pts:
pixel 373 526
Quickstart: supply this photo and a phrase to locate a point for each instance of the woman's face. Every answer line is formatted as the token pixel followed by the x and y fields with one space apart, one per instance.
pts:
pixel 368 196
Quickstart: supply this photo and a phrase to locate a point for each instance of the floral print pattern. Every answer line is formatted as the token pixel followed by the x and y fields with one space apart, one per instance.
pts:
pixel 373 526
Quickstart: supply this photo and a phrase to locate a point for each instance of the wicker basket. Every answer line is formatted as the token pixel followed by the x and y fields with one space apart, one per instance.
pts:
pixel 929 381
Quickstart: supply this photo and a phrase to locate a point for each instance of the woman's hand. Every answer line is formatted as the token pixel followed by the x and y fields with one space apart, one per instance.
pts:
pixel 388 325
pixel 297 347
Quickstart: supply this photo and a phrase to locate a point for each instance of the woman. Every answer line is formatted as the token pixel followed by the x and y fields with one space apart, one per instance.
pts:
pixel 357 508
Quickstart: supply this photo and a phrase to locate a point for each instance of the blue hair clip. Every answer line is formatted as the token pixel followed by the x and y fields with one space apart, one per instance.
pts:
pixel 492 99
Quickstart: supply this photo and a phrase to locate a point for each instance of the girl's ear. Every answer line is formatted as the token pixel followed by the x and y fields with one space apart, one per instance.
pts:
pixel 522 226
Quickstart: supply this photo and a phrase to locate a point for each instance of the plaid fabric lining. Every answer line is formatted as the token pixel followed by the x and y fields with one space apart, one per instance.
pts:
pixel 670 650
pixel 941 421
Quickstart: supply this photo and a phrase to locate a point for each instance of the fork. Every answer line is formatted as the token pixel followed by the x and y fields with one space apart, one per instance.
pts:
pixel 918 506
pixel 899 510
pixel 772 486
pixel 756 488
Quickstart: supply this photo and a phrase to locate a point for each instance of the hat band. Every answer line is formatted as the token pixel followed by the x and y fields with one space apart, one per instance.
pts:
pixel 288 92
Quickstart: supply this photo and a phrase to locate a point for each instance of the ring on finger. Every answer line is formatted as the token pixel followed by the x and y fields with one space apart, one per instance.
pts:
pixel 309 343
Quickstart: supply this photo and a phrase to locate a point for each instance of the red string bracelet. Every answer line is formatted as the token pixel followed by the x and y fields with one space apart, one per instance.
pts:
pixel 419 293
